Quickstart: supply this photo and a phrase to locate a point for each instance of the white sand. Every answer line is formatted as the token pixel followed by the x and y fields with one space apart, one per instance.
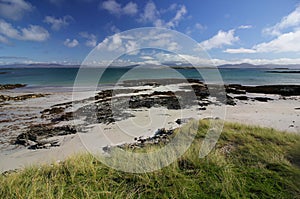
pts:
pixel 279 114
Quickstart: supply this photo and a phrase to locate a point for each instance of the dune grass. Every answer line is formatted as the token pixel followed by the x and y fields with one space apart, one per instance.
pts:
pixel 247 162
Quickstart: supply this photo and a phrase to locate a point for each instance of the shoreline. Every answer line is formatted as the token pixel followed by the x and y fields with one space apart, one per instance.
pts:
pixel 279 112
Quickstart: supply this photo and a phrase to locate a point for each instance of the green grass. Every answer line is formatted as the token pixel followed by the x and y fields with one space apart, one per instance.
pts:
pixel 247 162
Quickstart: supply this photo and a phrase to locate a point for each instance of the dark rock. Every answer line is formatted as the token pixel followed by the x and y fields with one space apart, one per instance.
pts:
pixel 154 84
pixel 242 97
pixel 284 90
pixel 182 121
pixel 44 144
pixel 11 86
pixel 230 100
pixel 21 97
pixel 54 110
pixel 262 99
pixel 42 131
pixel 234 90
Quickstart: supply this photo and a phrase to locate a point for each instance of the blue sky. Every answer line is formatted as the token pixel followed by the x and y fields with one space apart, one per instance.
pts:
pixel 233 31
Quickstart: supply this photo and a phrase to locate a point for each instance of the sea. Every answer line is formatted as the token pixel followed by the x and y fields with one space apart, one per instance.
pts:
pixel 56 78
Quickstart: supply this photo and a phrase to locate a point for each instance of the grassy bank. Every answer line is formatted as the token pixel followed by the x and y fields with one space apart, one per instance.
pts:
pixel 248 162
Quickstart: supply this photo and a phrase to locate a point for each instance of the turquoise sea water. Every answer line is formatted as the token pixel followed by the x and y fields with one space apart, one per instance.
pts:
pixel 65 77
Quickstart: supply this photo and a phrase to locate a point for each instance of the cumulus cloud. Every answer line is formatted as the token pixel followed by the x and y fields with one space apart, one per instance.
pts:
pixel 152 15
pixel 71 43
pixel 130 8
pixel 31 33
pixel 58 23
pixel 122 42
pixel 34 33
pixel 111 43
pixel 91 39
pixel 14 9
pixel 289 21
pixel 115 8
pixel 287 37
pixel 288 42
pixel 221 39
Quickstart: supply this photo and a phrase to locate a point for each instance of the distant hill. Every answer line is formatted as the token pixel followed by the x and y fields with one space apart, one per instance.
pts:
pixel 38 65
pixel 269 66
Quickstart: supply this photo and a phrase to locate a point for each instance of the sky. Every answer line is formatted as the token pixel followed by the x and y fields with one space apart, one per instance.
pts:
pixel 232 31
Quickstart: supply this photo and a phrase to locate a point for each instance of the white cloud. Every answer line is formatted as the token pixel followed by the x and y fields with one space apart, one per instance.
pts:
pixel 288 42
pixel 199 26
pixel 71 43
pixel 91 39
pixel 130 8
pixel 239 50
pixel 245 27
pixel 14 9
pixel 34 33
pixel 116 8
pixel 58 23
pixel 118 43
pixel 179 15
pixel 152 15
pixel 8 30
pixel 122 42
pixel 219 40
pixel 289 21
pixel 31 33
pixel 146 57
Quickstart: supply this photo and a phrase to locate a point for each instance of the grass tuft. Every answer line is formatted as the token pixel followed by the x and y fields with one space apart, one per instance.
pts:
pixel 247 162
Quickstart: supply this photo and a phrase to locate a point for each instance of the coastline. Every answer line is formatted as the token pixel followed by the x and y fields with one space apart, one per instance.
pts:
pixel 279 112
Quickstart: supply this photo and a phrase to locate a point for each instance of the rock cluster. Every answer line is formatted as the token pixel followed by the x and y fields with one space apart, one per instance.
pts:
pixel 4 98
pixel 284 90
pixel 161 136
pixel 37 135
pixel 11 86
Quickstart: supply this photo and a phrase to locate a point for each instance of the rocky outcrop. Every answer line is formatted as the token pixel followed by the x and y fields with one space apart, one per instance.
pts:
pixel 36 136
pixel 161 136
pixel 4 98
pixel 284 90
pixel 11 86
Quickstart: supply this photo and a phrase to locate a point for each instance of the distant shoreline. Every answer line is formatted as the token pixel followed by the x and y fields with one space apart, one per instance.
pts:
pixel 285 71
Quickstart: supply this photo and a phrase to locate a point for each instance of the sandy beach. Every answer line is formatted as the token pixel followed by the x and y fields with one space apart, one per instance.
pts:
pixel 18 117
